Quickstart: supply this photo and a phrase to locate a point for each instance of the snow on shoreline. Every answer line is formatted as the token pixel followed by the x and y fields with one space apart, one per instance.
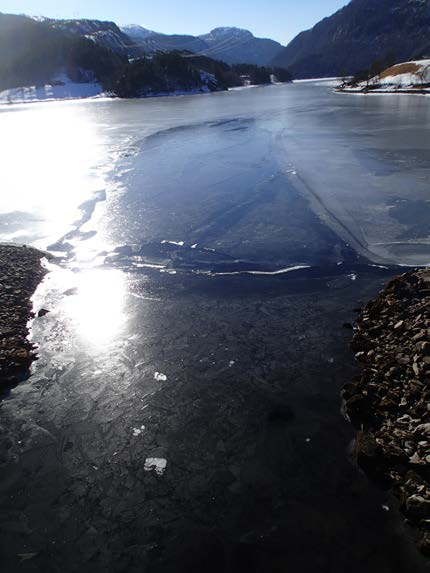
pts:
pixel 77 91
pixel 316 80
pixel 411 77
pixel 63 88
pixel 52 92
pixel 69 90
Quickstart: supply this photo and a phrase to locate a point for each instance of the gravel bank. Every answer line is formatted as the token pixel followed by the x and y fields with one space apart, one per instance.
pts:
pixel 20 273
pixel 389 401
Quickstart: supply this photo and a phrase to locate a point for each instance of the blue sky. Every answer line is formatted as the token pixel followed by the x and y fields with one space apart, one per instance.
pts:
pixel 277 19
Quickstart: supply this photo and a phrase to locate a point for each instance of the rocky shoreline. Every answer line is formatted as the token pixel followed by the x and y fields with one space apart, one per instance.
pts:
pixel 369 91
pixel 20 273
pixel 388 402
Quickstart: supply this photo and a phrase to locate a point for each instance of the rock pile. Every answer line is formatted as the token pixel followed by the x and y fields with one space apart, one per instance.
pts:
pixel 20 273
pixel 389 401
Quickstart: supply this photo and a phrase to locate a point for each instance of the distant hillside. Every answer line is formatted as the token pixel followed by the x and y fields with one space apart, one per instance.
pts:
pixel 184 72
pixel 358 34
pixel 231 45
pixel 236 46
pixel 33 53
pixel 105 34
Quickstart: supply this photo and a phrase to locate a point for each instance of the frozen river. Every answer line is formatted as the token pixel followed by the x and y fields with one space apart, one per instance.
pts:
pixel 185 413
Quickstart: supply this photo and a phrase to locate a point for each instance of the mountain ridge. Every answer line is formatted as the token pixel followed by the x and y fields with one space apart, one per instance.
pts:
pixel 357 35
pixel 229 44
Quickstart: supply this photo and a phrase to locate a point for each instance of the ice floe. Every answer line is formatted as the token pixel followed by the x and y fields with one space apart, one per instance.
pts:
pixel 157 464
pixel 160 377
pixel 177 243
pixel 138 431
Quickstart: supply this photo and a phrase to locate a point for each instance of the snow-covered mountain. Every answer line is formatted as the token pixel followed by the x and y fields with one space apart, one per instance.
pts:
pixel 235 45
pixel 229 44
pixel 136 32
pixel 227 32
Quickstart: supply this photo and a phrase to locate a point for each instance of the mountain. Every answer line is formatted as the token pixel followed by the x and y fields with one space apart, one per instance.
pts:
pixel 105 34
pixel 236 46
pixel 231 45
pixel 35 53
pixel 357 35
pixel 136 32
pixel 49 59
pixel 166 43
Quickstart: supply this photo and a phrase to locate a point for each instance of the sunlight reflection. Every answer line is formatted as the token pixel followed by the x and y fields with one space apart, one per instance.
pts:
pixel 97 309
pixel 51 158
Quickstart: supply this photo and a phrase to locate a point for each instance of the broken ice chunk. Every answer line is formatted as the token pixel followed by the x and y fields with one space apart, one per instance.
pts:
pixel 177 243
pixel 138 431
pixel 157 464
pixel 160 377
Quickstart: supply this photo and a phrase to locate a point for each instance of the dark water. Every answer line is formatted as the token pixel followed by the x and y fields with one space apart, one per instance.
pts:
pixel 185 413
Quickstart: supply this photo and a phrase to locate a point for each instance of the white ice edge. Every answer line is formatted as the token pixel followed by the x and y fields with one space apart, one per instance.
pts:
pixel 264 273
pixel 177 243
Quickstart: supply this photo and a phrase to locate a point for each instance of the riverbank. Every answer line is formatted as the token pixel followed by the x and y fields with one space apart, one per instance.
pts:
pixel 405 78
pixel 21 271
pixel 44 95
pixel 19 96
pixel 389 401
pixel 371 91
